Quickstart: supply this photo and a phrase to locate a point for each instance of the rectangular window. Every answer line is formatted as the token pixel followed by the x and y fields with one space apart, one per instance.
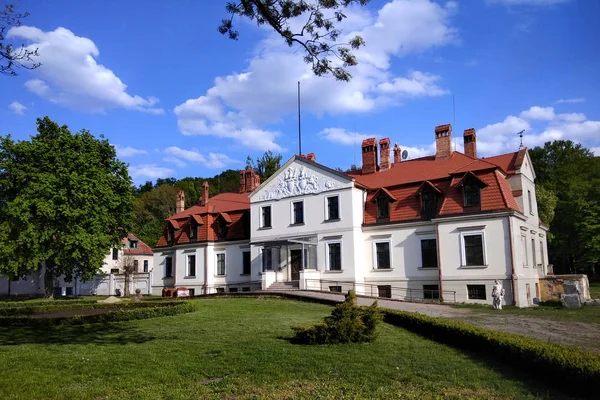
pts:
pixel 233 290
pixel 221 264
pixel 384 291
pixel 428 203
pixel 193 230
pixel 267 259
pixel 266 217
pixel 145 265
pixel 168 267
pixel 133 244
pixel 135 266
pixel 335 289
pixel 429 253
pixel 529 201
pixel 471 193
pixel 525 252
pixel 245 289
pixel 533 255
pixel 335 256
pixel 220 290
pixel 298 212
pixel 114 270
pixel 246 267
pixel 431 292
pixel 473 249
pixel 192 292
pixel 383 255
pixel 383 207
pixel 333 208
pixel 476 292
pixel 115 254
pixel 191 265
pixel 542 253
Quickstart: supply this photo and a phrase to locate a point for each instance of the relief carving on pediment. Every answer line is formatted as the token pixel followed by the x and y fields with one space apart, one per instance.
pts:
pixel 298 181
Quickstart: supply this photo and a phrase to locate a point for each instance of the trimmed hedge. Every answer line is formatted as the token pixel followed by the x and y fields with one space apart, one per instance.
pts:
pixel 65 306
pixel 146 312
pixel 41 301
pixel 551 362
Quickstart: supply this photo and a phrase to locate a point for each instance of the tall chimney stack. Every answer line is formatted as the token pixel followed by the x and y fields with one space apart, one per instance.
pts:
pixel 249 180
pixel 443 142
pixel 397 154
pixel 204 193
pixel 180 203
pixel 369 156
pixel 384 155
pixel 470 143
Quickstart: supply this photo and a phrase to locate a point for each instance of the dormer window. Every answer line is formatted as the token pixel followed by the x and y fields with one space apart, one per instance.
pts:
pixel 133 244
pixel 170 235
pixel 471 194
pixel 429 195
pixel 383 207
pixel 221 229
pixel 193 230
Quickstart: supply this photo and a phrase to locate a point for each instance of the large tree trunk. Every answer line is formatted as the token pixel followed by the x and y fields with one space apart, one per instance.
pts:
pixel 49 283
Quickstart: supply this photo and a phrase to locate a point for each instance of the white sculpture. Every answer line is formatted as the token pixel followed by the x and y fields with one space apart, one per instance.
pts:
pixel 297 181
pixel 498 295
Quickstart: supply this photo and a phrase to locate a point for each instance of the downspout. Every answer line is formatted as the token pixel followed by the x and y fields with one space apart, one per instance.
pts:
pixel 205 286
pixel 439 260
pixel 512 262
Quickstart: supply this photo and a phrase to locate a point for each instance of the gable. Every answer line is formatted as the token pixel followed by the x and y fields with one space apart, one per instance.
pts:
pixel 300 177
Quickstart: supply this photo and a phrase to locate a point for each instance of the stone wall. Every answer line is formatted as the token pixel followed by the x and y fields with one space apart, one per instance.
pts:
pixel 551 287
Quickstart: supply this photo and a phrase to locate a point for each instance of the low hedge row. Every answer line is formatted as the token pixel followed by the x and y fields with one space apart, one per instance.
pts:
pixel 41 301
pixel 162 310
pixel 551 362
pixel 65 306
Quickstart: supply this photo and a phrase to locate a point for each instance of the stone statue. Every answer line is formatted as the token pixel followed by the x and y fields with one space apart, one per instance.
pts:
pixel 497 295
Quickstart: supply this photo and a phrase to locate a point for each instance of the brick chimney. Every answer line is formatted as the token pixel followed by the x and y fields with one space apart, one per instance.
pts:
pixel 443 142
pixel 249 180
pixel 470 143
pixel 369 156
pixel 384 155
pixel 397 154
pixel 180 203
pixel 311 157
pixel 204 199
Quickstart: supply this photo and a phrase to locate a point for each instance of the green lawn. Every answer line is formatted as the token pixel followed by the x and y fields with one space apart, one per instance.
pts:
pixel 237 348
pixel 595 290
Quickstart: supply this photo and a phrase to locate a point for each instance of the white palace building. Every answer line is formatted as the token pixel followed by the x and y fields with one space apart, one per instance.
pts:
pixel 444 226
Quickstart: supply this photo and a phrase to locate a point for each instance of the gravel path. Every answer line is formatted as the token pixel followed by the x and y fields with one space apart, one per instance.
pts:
pixel 583 334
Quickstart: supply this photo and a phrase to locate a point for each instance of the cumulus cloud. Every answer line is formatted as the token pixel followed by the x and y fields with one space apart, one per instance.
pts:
pixel 17 108
pixel 542 113
pixel 150 171
pixel 71 75
pixel 230 109
pixel 570 101
pixel 179 157
pixel 128 151
pixel 342 136
pixel 540 3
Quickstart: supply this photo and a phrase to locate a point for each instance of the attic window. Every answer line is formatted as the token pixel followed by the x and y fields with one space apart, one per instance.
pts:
pixel 221 228
pixel 428 203
pixel 133 244
pixel 170 235
pixel 383 207
pixel 193 230
pixel 471 194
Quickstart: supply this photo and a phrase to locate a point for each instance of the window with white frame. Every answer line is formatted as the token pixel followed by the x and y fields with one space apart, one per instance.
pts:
pixel 267 259
pixel 383 256
pixel 533 255
pixel 525 252
pixel 334 256
pixel 333 208
pixel 168 267
pixel 543 261
pixel 220 264
pixel 191 267
pixel 265 217
pixel 473 248
pixel 298 212
pixel 145 265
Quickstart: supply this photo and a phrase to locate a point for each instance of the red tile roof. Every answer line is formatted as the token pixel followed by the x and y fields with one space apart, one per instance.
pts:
pixel 223 202
pixel 142 250
pixel 510 162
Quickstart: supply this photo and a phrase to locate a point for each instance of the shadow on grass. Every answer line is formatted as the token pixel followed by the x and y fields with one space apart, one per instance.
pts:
pixel 97 334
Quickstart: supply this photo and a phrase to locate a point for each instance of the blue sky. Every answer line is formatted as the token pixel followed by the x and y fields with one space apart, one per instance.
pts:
pixel 179 99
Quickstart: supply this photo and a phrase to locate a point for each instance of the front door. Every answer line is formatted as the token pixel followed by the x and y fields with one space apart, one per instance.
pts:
pixel 296 262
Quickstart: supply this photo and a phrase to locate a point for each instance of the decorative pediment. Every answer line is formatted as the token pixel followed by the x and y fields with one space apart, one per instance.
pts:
pixel 301 178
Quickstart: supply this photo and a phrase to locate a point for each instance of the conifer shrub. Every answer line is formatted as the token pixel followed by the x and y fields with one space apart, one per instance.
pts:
pixel 348 323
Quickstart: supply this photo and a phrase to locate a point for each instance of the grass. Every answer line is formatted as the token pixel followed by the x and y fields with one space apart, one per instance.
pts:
pixel 239 348
pixel 551 311
pixel 595 290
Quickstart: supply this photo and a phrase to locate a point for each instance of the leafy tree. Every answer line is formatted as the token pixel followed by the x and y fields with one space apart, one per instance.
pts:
pixel 546 201
pixel 317 37
pixel 11 58
pixel 64 200
pixel 572 173
pixel 150 210
pixel 266 165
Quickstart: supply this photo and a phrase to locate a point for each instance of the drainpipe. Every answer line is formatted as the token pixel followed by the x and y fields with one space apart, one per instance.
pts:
pixel 439 260
pixel 512 262
pixel 205 286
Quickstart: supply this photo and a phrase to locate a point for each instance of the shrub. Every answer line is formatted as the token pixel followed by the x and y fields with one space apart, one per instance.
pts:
pixel 158 310
pixel 74 305
pixel 348 323
pixel 552 362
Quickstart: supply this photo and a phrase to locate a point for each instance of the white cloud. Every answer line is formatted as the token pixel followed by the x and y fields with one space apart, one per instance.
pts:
pixel 17 108
pixel 341 136
pixel 570 101
pixel 129 151
pixel 70 75
pixel 541 113
pixel 230 108
pixel 417 84
pixel 151 171
pixel 178 156
pixel 596 151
